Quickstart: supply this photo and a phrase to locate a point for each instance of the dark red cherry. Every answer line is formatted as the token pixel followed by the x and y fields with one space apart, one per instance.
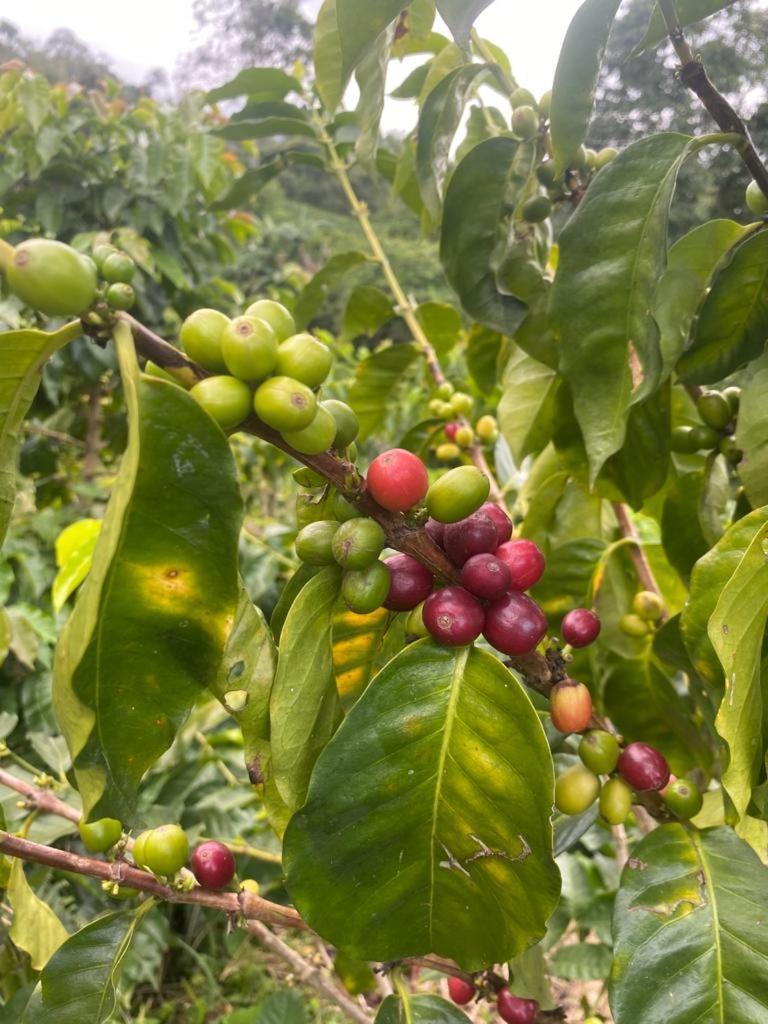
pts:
pixel 453 616
pixel 451 429
pixel 410 583
pixel 213 865
pixel 460 991
pixel 436 531
pixel 471 536
pixel 643 767
pixel 514 624
pixel 580 627
pixel 524 560
pixel 515 1010
pixel 485 576
pixel 500 517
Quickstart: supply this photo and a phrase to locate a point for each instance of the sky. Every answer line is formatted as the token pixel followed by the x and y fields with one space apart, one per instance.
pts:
pixel 154 33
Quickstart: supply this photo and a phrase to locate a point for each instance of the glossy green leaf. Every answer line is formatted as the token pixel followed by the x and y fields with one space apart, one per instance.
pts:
pixel 375 384
pixel 371 78
pixel 708 579
pixel 430 807
pixel 80 981
pixel 421 1010
pixel 152 619
pixel 688 12
pixel 736 631
pixel 261 82
pixel 526 409
pixel 752 435
pixel 251 183
pixel 438 123
pixel 326 50
pixel 484 348
pixel 284 1006
pixel 74 555
pixel 35 928
pixel 361 645
pixel 291 591
pixel 22 357
pixel 733 321
pixel 442 325
pixel 314 293
pixel 692 261
pixel 460 16
pixel 610 346
pixel 469 246
pixel 304 706
pixel 681 533
pixel 585 961
pixel 368 309
pixel 578 67
pixel 690 945
pixel 265 128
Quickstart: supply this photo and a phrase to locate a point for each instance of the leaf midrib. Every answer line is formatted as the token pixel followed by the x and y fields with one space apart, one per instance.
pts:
pixel 712 899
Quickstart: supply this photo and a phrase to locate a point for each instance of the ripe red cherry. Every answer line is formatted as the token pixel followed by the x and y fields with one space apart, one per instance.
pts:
pixel 410 583
pixel 471 536
pixel 451 429
pixel 398 479
pixel 643 767
pixel 580 627
pixel 436 531
pixel 213 865
pixel 453 616
pixel 570 705
pixel 524 560
pixel 514 1010
pixel 460 991
pixel 500 517
pixel 485 576
pixel 514 624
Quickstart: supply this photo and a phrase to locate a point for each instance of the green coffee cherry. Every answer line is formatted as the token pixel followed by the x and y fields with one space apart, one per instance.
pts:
pixel 705 438
pixel 546 173
pixel 447 452
pixel 605 156
pixel 487 429
pixel 464 437
pixel 52 277
pixel 118 267
pixel 200 338
pixel 120 296
pixel 525 123
pixel 545 103
pixel 684 441
pixel 315 438
pixel 633 625
pixel 714 409
pixel 347 425
pixel 461 403
pixel 683 798
pixel 166 850
pixel 414 624
pixel 285 404
pixel 649 606
pixel 365 590
pixel 537 209
pixel 522 98
pixel 756 199
pixel 314 544
pixel 305 358
pixel 137 852
pixel 102 252
pixel 576 790
pixel 616 801
pixel 100 836
pixel 599 751
pixel 444 391
pixel 343 510
pixel 457 494
pixel 276 315
pixel 225 399
pixel 357 543
pixel 249 348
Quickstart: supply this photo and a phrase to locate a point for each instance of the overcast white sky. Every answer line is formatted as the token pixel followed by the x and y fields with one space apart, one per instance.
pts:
pixel 154 33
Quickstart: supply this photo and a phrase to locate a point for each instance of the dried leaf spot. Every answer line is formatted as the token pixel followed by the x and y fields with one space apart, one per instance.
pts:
pixel 235 700
pixel 636 864
pixel 635 367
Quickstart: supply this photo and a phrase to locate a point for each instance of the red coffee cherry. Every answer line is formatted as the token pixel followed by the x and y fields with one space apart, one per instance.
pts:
pixel 398 480
pixel 453 616
pixel 500 517
pixel 410 583
pixel 485 576
pixel 213 865
pixel 580 628
pixel 643 767
pixel 525 562
pixel 451 429
pixel 514 624
pixel 436 531
pixel 514 1010
pixel 460 991
pixel 570 705
pixel 471 536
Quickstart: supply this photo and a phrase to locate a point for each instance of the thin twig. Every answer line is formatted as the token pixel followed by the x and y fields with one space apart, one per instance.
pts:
pixel 39 799
pixel 636 550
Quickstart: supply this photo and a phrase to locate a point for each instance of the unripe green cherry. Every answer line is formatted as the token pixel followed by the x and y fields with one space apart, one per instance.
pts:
pixel 444 391
pixel 225 399
pixel 576 790
pixel 683 798
pixel 305 358
pixel 525 123
pixel 705 438
pixel 102 252
pixel 522 98
pixel 166 850
pixel 347 425
pixel 733 396
pixel 714 409
pixel 276 315
pixel 537 209
pixel 649 606
pixel 599 751
pixel 580 160
pixel 447 452
pixel 343 510
pixel 756 199
pixel 457 494
pixel 200 338
pixel 633 625
pixel 414 624
pixel 591 159
pixel 315 438
pixel 684 441
pixel 139 843
pixel 545 103
pixel 487 429
pixel 100 836
pixel 365 590
pixel 249 348
pixel 118 267
pixel 285 404
pixel 461 403
pixel 605 156
pixel 314 544
pixel 120 296
pixel 52 277
pixel 546 173
pixel 616 801
pixel 357 543
pixel 464 437
pixel 443 409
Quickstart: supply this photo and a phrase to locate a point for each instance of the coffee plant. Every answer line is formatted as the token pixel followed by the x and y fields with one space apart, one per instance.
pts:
pixel 521 656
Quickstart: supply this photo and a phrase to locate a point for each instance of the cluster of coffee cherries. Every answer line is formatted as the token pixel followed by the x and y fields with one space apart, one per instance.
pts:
pixel 511 1008
pixel 116 270
pixel 459 436
pixel 718 411
pixel 165 851
pixel 259 363
pixel 648 610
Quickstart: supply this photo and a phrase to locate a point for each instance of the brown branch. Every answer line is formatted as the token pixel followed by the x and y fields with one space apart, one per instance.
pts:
pixel 39 799
pixel 694 76
pixel 636 550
